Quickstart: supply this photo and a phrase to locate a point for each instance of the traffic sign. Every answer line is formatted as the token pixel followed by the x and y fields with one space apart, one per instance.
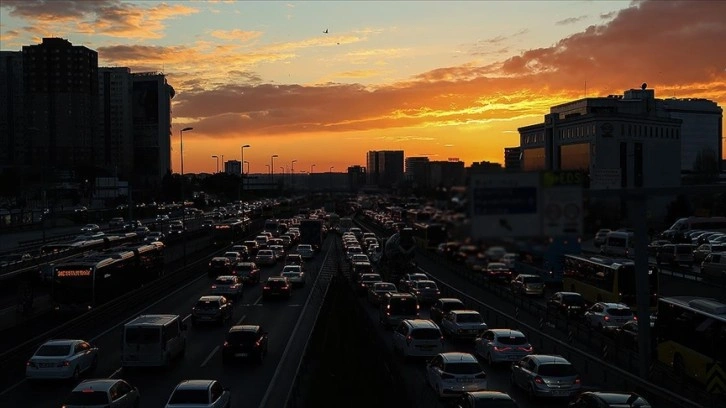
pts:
pixel 716 379
pixel 504 205
pixel 563 213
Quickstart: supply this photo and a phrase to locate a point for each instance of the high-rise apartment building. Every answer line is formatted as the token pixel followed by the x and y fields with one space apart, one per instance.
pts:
pixel 385 167
pixel 13 150
pixel 418 171
pixel 447 173
pixel 115 120
pixel 151 128
pixel 60 83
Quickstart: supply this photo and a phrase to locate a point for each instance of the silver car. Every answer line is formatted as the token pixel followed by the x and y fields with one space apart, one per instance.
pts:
pixel 102 393
pixel 57 359
pixel 463 324
pixel 498 345
pixel 528 285
pixel 546 376
pixel 425 291
pixel 294 274
pixel 228 285
pixel 452 374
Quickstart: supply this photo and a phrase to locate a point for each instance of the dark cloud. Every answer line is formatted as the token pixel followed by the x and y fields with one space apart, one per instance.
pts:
pixel 570 20
pixel 56 9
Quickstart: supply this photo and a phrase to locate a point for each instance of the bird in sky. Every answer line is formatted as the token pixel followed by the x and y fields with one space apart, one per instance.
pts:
pixel 326 31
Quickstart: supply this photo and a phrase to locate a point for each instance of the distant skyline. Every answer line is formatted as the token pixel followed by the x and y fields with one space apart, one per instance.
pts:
pixel 432 78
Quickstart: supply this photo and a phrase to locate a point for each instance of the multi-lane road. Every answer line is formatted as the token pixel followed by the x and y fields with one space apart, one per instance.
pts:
pixel 248 382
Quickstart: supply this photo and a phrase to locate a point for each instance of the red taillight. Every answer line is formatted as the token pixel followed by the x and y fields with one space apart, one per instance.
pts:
pixel 526 349
pixel 64 364
pixel 257 343
pixel 266 288
pixel 500 349
pixel 635 318
pixel 30 364
pixel 226 344
pixel 607 318
pixel 409 339
pixel 442 339
pixel 538 380
pixel 214 286
pixel 577 380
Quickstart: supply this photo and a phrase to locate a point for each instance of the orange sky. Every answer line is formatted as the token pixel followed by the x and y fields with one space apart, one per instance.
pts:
pixel 469 107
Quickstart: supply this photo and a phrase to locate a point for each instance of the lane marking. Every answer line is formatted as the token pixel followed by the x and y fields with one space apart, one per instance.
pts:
pixel 240 320
pixel 115 373
pixel 186 317
pixel 206 360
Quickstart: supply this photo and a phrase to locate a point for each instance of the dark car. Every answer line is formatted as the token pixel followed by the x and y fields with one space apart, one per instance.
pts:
pixel 277 286
pixel 486 399
pixel 609 400
pixel 365 281
pixel 245 342
pixel 219 265
pixel 443 306
pixel 212 309
pixel 252 247
pixel 571 304
pixel 627 335
pixel 248 272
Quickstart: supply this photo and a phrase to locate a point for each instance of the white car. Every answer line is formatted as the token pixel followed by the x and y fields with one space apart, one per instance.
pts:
pixel 228 286
pixel 360 258
pixel 90 228
pixel 608 315
pixel 418 338
pixel 102 393
pixel 451 374
pixel 498 345
pixel 199 394
pixel 294 274
pixel 61 359
pixel 463 324
pixel 305 251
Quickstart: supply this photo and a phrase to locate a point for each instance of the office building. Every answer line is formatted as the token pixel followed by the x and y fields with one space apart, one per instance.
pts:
pixel 418 172
pixel 233 167
pixel 60 83
pixel 447 173
pixel 385 168
pixel 151 107
pixel 620 141
pixel 115 121
pixel 512 159
pixel 13 149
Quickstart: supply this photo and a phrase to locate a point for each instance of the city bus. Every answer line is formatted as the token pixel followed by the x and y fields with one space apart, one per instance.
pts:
pixel 227 233
pixel 429 235
pixel 546 257
pixel 690 336
pixel 88 281
pixel 600 279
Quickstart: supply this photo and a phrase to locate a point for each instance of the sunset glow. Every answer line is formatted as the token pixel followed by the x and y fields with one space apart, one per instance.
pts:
pixel 438 79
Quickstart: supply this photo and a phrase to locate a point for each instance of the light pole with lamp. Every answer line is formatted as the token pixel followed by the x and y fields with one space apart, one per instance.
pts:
pixel 216 157
pixel 292 174
pixel 330 174
pixel 282 172
pixel 242 160
pixel 181 163
pixel 272 168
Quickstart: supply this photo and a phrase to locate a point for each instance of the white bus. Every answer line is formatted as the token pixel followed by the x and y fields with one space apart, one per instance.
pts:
pixel 618 244
pixel 153 341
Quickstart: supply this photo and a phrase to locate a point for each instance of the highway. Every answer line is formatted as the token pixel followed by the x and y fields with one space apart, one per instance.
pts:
pixel 247 381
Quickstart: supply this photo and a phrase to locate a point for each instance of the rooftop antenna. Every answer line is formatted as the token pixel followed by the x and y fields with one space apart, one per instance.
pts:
pixel 644 86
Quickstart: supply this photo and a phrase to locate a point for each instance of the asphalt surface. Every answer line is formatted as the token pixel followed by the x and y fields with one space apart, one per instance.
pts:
pixel 247 381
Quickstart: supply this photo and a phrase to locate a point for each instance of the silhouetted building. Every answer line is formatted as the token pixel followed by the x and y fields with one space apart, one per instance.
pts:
pixel 485 167
pixel 385 168
pixel 447 173
pixel 418 172
pixel 152 128
pixel 701 132
pixel 60 84
pixel 115 120
pixel 356 177
pixel 233 167
pixel 512 159
pixel 13 150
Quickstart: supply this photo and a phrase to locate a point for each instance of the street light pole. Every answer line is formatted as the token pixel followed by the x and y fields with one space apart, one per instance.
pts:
pixel 282 171
pixel 272 168
pixel 181 163
pixel 330 174
pixel 216 157
pixel 242 160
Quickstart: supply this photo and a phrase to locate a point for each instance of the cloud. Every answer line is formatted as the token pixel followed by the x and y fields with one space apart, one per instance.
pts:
pixel 364 73
pixel 111 18
pixel 235 35
pixel 608 16
pixel 10 35
pixel 494 45
pixel 570 20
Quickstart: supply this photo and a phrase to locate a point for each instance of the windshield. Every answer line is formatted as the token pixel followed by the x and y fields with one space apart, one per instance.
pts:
pixel 468 318
pixel 620 312
pixel 143 335
pixel 189 397
pixel 242 337
pixel 556 370
pixel 512 340
pixel 463 368
pixel 532 280
pixel 573 300
pixel 403 306
pixel 55 350
pixel 426 334
pixel 87 398
pixel 69 289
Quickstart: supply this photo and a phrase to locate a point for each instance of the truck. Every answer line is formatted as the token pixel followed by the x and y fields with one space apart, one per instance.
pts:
pixel 311 232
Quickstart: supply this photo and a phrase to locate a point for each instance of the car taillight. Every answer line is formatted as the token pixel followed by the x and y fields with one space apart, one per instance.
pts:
pixel 538 380
pixel 446 376
pixel 635 318
pixel 607 318
pixel 226 344
pixel 577 379
pixel 65 363
pixel 266 287
pixel 409 339
pixel 257 343
pixel 214 286
pixel 30 364
pixel 501 348
pixel 442 339
pixel 526 349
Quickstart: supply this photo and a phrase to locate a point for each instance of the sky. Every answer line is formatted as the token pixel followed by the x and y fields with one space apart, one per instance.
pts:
pixel 322 83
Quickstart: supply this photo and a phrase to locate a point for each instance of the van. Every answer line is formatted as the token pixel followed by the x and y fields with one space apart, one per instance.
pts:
pixel 396 307
pixel 675 254
pixel 713 266
pixel 618 244
pixel 153 340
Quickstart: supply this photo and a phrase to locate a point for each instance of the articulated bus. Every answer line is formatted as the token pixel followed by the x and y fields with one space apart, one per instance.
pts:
pixel 229 232
pixel 600 279
pixel 690 336
pixel 429 235
pixel 89 281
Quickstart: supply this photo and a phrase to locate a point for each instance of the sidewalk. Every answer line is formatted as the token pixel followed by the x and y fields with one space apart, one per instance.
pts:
pixel 9 317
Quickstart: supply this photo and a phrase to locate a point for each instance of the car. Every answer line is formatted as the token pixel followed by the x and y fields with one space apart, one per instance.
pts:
pixel 212 308
pixel 294 259
pixel 358 268
pixel 365 281
pixel 541 375
pixel 229 286
pixel 102 393
pixel 498 345
pixel 378 290
pixel 154 236
pixel 451 374
pixel 404 285
pixel 627 335
pixel 426 291
pixel 607 316
pixel 497 272
pixel 527 285
pixel 510 259
pixel 90 228
pixel 262 241
pixel 353 250
pixel 700 253
pixel 116 222
pixel 265 257
pixel 248 272
pixel 277 286
pixel 219 265
pixel 207 224
pixel 252 247
pixel 359 258
pixel 592 399
pixel 486 399
pixel 243 251
pixel 199 394
pixel 162 218
pixel 571 304
pixel 294 274
pixel 443 306
pixel 61 359
pixel 278 250
pixel 233 256
pixel 463 324
pixel 417 338
pixel 176 228
pixel 675 254
pixel 600 237
pixel 305 251
pixel 245 341
pixel 395 307
pixel 495 253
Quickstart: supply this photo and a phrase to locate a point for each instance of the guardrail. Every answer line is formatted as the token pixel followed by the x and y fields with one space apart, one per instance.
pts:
pixel 608 350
